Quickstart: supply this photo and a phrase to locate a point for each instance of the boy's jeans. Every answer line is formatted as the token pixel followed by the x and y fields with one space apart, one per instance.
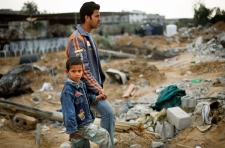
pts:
pixel 108 118
pixel 93 133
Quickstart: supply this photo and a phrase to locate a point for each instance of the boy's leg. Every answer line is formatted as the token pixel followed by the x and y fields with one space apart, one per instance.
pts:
pixel 97 135
pixel 108 118
pixel 79 142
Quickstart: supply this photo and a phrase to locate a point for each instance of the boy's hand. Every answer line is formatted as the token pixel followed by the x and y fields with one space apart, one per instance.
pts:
pixel 73 135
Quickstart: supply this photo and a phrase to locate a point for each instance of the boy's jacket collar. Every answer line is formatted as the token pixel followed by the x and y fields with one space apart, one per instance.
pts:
pixel 76 84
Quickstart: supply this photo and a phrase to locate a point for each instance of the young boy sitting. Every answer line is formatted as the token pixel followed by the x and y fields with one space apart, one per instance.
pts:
pixel 77 115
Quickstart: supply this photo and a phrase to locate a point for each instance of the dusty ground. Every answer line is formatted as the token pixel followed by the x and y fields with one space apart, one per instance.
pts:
pixel 156 72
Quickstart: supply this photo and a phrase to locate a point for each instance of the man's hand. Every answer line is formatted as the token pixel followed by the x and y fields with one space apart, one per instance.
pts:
pixel 100 97
pixel 102 92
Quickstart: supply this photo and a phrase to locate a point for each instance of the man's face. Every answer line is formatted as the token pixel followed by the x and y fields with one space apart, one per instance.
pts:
pixel 95 20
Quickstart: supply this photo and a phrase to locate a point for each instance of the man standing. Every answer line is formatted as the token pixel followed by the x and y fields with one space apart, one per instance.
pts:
pixel 81 44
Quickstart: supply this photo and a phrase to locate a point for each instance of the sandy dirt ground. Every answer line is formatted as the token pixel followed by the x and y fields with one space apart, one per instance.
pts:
pixel 158 73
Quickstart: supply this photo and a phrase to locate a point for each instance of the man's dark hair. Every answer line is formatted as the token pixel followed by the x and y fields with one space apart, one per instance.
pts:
pixel 73 61
pixel 88 9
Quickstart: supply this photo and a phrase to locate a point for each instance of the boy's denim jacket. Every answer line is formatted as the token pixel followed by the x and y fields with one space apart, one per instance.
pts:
pixel 76 106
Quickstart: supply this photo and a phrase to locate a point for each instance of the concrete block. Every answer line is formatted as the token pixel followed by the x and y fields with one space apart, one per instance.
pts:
pixel 188 101
pixel 179 118
pixel 24 121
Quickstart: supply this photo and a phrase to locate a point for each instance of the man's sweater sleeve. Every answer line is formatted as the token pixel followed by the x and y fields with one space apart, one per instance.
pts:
pixel 88 78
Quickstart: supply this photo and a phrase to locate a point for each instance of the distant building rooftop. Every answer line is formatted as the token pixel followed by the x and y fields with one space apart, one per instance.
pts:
pixel 9 11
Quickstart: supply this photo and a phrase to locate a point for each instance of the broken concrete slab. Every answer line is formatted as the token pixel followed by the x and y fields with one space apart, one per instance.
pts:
pixel 168 129
pixel 147 99
pixel 198 41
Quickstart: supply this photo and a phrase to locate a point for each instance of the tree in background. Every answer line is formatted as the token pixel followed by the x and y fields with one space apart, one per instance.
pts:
pixel 202 15
pixel 219 16
pixel 30 8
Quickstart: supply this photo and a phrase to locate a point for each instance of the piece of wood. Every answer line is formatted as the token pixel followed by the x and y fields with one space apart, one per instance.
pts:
pixel 38 138
pixel 120 126
pixel 51 115
pixel 135 93
pixel 152 133
pixel 128 91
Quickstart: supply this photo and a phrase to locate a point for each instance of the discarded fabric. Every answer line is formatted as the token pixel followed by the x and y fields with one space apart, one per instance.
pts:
pixel 46 86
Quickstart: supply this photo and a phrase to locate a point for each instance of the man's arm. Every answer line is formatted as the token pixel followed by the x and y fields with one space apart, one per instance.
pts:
pixel 76 43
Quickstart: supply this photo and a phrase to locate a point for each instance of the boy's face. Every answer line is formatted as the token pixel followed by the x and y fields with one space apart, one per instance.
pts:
pixel 75 72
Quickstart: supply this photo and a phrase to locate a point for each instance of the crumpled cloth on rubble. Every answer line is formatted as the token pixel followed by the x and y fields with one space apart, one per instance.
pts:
pixel 203 109
pixel 205 114
pixel 46 86
pixel 169 97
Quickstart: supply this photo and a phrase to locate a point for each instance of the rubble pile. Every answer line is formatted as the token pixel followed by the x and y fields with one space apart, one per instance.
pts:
pixel 200 107
pixel 198 48
pixel 196 109
pixel 144 45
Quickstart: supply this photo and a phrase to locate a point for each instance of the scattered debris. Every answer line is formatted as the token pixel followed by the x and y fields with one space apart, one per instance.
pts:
pixel 46 86
pixel 128 91
pixel 13 85
pixel 116 75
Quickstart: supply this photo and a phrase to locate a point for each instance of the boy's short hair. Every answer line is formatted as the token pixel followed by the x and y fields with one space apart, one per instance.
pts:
pixel 73 61
pixel 88 9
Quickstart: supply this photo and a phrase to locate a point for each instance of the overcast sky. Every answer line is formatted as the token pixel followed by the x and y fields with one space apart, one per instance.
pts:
pixel 168 8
